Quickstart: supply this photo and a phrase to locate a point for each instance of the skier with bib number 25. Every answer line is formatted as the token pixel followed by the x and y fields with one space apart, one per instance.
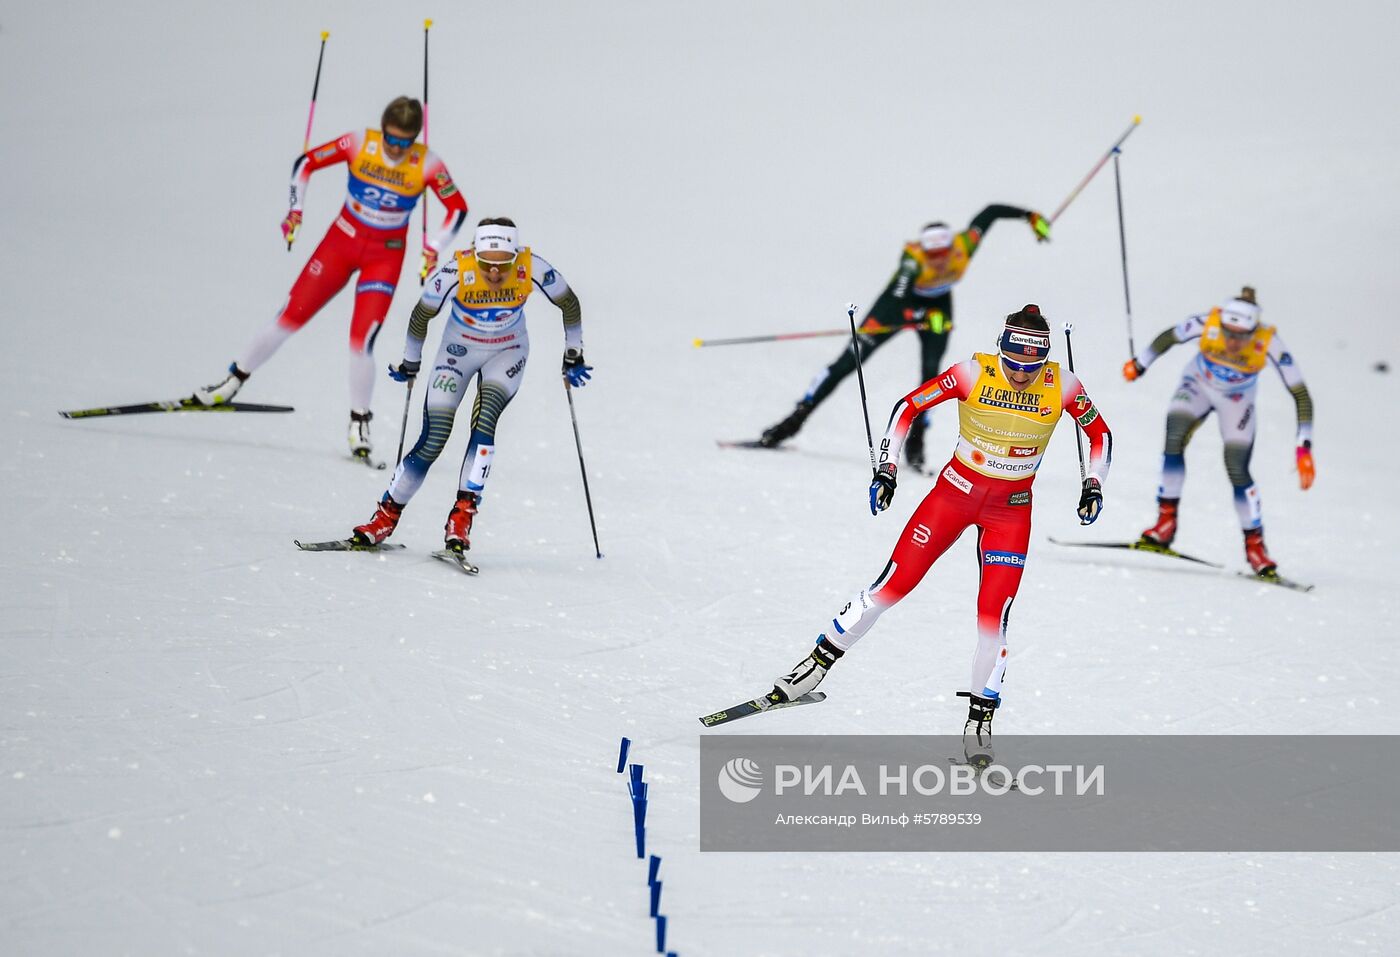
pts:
pixel 1008 406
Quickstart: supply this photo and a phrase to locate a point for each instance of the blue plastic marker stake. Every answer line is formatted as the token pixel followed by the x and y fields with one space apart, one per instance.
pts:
pixel 653 869
pixel 635 771
pixel 661 934
pixel 639 821
pixel 655 897
pixel 641 842
pixel 622 755
pixel 639 793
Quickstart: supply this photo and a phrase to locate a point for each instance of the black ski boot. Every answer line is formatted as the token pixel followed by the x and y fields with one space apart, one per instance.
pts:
pixel 787 428
pixel 914 445
pixel 977 731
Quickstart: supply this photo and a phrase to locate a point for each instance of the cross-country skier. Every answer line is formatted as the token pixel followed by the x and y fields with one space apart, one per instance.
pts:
pixel 485 339
pixel 1008 406
pixel 1223 378
pixel 920 296
pixel 388 172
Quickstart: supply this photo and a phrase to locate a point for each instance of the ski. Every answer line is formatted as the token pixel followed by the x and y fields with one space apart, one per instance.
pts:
pixel 173 405
pixel 454 557
pixel 346 545
pixel 997 779
pixel 1137 546
pixel 768 702
pixel 750 444
pixel 364 459
pixel 1275 578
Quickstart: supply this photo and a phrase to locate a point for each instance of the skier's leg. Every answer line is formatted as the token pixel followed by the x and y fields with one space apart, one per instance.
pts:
pixel 499 382
pixel 883 313
pixel 1237 429
pixel 379 272
pixel 938 521
pixel 447 385
pixel 1185 413
pixel 1003 538
pixel 937 314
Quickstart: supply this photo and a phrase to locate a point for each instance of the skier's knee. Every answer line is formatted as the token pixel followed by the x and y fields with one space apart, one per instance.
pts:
pixel 1180 425
pixel 1237 464
pixel 437 427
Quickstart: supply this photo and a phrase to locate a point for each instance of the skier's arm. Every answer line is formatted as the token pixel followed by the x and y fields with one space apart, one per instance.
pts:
pixel 1076 402
pixel 551 282
pixel 327 154
pixel 954 383
pixel 982 222
pixel 1175 336
pixel 439 180
pixel 436 290
pixel 1293 379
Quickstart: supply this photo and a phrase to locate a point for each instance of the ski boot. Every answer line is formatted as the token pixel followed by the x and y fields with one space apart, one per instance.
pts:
pixel 787 428
pixel 459 522
pixel 381 524
pixel 1259 560
pixel 360 445
pixel 809 672
pixel 977 730
pixel 1162 534
pixel 223 391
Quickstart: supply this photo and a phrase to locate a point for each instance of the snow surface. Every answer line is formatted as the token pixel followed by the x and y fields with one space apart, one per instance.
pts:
pixel 215 744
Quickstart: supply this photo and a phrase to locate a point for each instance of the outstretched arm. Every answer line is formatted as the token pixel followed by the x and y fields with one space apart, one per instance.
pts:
pixel 1302 403
pixel 1175 336
pixel 972 236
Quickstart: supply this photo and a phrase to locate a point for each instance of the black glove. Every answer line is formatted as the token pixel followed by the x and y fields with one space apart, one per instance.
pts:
pixel 575 369
pixel 404 371
pixel 882 488
pixel 1090 501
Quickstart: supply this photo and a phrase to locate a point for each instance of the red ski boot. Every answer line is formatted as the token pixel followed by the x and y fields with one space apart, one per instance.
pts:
pixel 381 525
pixel 459 522
pixel 1165 530
pixel 1259 560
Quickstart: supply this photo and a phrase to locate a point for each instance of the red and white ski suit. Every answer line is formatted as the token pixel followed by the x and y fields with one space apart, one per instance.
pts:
pixel 987 484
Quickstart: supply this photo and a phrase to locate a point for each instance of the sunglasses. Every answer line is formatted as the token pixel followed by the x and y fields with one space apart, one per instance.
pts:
pixel 399 142
pixel 486 264
pixel 1015 366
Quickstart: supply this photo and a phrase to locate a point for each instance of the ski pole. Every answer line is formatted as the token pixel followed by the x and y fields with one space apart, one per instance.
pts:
pixel 578 444
pixel 860 375
pixel 788 336
pixel 403 426
pixel 1078 441
pixel 427 25
pixel 311 114
pixel 1097 166
pixel 1123 251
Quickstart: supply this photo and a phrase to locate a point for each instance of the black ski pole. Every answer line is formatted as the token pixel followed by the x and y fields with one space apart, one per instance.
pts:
pixel 1078 441
pixel 1123 250
pixel 860 374
pixel 403 427
pixel 578 444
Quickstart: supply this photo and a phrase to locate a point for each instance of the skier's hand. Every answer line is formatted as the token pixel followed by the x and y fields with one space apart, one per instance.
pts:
pixel 882 488
pixel 574 368
pixel 290 225
pixel 1132 369
pixel 1090 501
pixel 405 370
pixel 1306 471
pixel 429 263
pixel 1041 225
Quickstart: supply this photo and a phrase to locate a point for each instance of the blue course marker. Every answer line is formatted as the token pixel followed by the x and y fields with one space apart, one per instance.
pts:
pixel 661 935
pixel 622 755
pixel 653 869
pixel 655 898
